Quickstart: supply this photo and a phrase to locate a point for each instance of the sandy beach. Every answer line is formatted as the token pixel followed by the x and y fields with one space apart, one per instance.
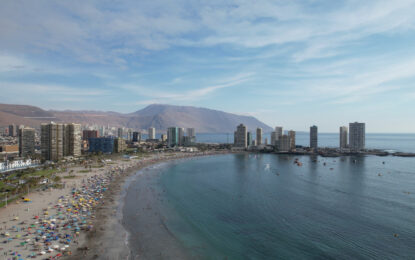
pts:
pixel 77 221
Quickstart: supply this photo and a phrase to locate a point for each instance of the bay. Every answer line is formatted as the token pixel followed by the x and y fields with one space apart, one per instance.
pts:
pixel 263 206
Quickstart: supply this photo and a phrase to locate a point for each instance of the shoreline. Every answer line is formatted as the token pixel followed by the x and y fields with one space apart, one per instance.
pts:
pixel 52 224
pixel 101 242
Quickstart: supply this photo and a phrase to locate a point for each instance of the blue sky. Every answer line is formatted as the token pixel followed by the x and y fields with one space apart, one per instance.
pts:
pixel 289 63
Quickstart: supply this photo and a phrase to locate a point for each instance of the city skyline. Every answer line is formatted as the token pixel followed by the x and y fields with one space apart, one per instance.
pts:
pixel 347 58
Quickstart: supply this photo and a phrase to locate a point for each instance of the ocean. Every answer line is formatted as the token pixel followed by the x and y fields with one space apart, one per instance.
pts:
pixel 263 206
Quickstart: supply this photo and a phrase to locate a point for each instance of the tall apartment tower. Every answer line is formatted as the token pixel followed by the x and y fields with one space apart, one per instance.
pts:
pixel 72 141
pixel 343 137
pixel 26 142
pixel 59 140
pixel 120 132
pixel 52 136
pixel 172 136
pixel 291 134
pixel 284 143
pixel 278 130
pixel 136 136
pixel 259 136
pixel 191 135
pixel 249 138
pixel 241 136
pixel 191 132
pixel 357 136
pixel 181 136
pixel 276 135
pixel 313 137
pixel 151 133
pixel 12 130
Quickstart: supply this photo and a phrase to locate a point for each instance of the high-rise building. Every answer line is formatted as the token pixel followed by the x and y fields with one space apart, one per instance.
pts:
pixel 152 133
pixel 274 138
pixel 249 138
pixel 259 136
pixel 190 138
pixel 357 136
pixel 181 135
pixel 266 141
pixel 313 137
pixel 284 143
pixel 72 140
pixel 241 136
pixel 136 136
pixel 291 134
pixel 343 137
pixel 12 130
pixel 276 135
pixel 172 136
pixel 26 142
pixel 129 134
pixel 120 132
pixel 102 131
pixel 191 132
pixel 59 140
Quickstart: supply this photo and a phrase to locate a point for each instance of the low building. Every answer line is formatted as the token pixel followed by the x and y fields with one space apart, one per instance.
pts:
pixel 119 145
pixel 9 148
pixel 86 134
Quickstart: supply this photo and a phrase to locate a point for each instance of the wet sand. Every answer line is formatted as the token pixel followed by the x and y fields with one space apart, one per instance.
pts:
pixel 143 216
pixel 110 240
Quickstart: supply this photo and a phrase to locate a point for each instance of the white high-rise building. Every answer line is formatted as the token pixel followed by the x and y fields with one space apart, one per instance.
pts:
pixel 343 137
pixel 151 133
pixel 357 134
pixel 241 136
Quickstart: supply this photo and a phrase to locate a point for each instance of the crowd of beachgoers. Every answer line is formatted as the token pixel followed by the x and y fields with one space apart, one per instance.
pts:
pixel 53 223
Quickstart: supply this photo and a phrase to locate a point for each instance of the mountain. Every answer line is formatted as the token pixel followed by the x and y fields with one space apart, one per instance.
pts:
pixel 159 116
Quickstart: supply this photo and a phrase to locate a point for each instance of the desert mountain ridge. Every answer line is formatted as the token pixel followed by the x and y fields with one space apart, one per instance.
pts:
pixel 160 116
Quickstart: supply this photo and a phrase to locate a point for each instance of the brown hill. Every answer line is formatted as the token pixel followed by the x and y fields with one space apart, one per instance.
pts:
pixel 159 116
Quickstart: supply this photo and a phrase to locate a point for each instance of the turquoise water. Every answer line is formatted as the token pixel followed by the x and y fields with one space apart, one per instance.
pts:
pixel 242 206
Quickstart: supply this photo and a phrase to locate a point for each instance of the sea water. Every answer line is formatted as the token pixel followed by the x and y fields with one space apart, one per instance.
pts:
pixel 264 206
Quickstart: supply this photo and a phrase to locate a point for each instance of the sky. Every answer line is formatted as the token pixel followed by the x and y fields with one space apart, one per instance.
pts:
pixel 288 63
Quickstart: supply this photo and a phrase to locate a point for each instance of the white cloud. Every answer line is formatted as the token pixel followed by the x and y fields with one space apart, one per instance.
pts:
pixel 101 32
pixel 161 96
